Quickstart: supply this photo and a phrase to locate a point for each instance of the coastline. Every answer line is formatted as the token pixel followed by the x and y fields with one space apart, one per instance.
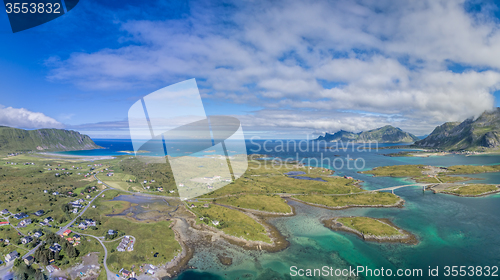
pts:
pixel 398 204
pixel 432 188
pixel 278 241
pixel 63 156
pixel 406 237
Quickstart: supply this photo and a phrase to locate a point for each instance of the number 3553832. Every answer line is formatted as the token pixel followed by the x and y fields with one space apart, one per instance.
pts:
pixel 33 8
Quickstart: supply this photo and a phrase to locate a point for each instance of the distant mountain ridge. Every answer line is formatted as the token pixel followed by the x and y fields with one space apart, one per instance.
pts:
pixel 385 134
pixel 480 134
pixel 47 139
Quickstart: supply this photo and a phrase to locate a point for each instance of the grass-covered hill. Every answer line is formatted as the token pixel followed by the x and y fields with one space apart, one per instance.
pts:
pixel 15 140
pixel 385 134
pixel 482 133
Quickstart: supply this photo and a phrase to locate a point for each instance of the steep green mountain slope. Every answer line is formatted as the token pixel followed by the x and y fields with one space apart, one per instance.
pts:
pixel 482 133
pixel 14 140
pixel 385 134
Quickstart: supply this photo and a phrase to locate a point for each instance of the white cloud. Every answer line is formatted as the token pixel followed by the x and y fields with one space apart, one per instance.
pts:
pixel 23 118
pixel 385 57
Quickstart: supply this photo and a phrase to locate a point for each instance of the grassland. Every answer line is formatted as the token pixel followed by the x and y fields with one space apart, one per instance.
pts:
pixel 472 189
pixel 369 226
pixel 151 238
pixel 263 178
pixel 472 169
pixel 343 201
pixel 9 233
pixel 396 171
pixel 232 222
pixel 29 188
pixel 157 175
pixel 22 190
pixel 267 203
pixel 122 181
pixel 151 235
pixel 440 179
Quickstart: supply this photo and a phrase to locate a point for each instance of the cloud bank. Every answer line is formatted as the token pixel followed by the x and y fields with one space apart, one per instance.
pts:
pixel 23 118
pixel 314 65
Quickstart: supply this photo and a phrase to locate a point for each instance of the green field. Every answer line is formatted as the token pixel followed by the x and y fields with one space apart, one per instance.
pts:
pixel 440 179
pixel 232 222
pixel 150 238
pixel 22 188
pixel 396 171
pixel 121 181
pixel 268 179
pixel 369 226
pixel 7 232
pixel 472 189
pixel 472 169
pixel 364 199
pixel 267 203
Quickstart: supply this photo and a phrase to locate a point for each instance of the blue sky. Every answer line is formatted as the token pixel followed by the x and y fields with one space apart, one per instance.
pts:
pixel 286 69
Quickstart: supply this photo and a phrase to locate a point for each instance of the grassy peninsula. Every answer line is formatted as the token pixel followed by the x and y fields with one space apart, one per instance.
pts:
pixel 266 203
pixel 381 230
pixel 370 199
pixel 469 190
pixel 231 222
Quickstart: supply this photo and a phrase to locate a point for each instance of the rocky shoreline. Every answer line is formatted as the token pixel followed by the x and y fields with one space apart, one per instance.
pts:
pixel 191 235
pixel 405 237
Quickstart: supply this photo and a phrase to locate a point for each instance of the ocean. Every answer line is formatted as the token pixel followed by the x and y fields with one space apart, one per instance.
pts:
pixel 452 231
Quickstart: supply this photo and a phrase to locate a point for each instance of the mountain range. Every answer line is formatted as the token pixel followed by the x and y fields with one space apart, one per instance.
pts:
pixel 482 133
pixel 15 140
pixel 385 134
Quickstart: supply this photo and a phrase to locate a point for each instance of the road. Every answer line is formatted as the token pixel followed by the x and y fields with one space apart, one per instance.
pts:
pixel 110 275
pixel 64 228
pixel 7 219
pixel 5 273
pixel 402 186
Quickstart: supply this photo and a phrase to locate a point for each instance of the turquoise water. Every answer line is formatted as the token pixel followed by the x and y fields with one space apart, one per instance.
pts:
pixel 451 230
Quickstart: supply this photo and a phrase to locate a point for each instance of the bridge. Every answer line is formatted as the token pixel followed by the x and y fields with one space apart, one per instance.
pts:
pixel 403 186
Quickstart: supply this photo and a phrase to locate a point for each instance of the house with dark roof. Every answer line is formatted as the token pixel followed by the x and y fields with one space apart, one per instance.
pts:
pixel 5 212
pixel 39 213
pixel 55 248
pixel 29 260
pixel 26 239
pixel 24 223
pixel 21 215
pixel 11 256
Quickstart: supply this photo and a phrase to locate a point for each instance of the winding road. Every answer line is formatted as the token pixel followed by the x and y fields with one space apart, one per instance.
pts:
pixel 110 275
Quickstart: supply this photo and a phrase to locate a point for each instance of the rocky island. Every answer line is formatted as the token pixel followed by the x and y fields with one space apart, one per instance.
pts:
pixel 371 229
